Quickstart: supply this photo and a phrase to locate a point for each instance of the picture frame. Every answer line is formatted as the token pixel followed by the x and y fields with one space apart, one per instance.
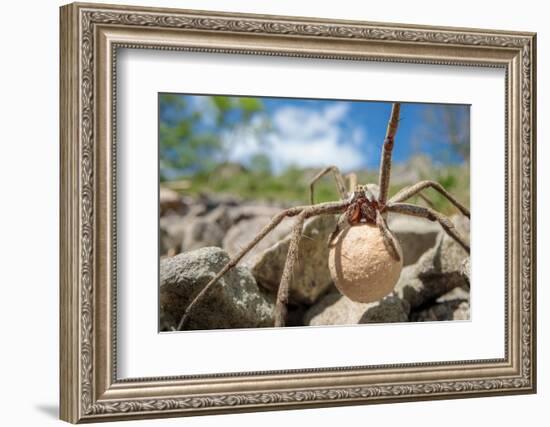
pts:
pixel 91 36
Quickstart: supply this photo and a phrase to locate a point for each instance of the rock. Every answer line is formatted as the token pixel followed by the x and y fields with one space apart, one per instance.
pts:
pixel 311 276
pixel 171 234
pixel 450 310
pixel 455 294
pixel 437 271
pixel 454 305
pixel 170 201
pixel 234 302
pixel 197 209
pixel 207 230
pixel 220 216
pixel 295 314
pixel 336 309
pixel 213 200
pixel 462 312
pixel 244 232
pixel 416 235
pixel 244 212
pixel 199 233
pixel 465 269
pixel 389 309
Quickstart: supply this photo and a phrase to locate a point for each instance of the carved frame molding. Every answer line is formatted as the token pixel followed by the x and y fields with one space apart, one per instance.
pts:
pixel 90 37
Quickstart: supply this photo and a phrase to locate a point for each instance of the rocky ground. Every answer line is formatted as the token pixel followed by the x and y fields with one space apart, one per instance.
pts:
pixel 199 235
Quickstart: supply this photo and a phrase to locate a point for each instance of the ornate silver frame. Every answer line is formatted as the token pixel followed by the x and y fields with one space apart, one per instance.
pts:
pixel 90 36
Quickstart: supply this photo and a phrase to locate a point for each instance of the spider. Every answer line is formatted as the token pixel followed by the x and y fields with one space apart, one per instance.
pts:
pixel 361 204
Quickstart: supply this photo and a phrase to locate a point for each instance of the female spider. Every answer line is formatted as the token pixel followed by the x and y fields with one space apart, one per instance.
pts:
pixel 362 204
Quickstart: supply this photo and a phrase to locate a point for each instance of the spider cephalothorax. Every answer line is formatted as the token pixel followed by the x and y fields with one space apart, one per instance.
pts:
pixel 364 205
pixel 363 210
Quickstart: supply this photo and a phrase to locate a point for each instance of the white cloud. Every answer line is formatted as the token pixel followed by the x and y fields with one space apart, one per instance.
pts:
pixel 313 153
pixel 357 136
pixel 336 112
pixel 305 138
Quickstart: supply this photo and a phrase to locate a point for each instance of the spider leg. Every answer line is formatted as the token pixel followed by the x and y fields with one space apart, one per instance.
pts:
pixel 340 225
pixel 385 162
pixel 330 207
pixel 338 178
pixel 291 258
pixel 233 262
pixel 352 181
pixel 387 235
pixel 293 251
pixel 426 200
pixel 432 215
pixel 407 192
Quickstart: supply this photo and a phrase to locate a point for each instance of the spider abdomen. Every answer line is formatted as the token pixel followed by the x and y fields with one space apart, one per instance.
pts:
pixel 361 266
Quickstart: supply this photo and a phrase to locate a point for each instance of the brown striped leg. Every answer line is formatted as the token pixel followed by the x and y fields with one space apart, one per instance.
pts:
pixel 387 235
pixel 233 262
pixel 293 251
pixel 426 200
pixel 413 190
pixel 321 208
pixel 291 258
pixel 352 181
pixel 385 162
pixel 343 221
pixel 432 215
pixel 340 183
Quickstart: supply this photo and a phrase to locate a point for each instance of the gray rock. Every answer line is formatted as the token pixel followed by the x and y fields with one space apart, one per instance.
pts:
pixel 454 305
pixel 311 276
pixel 172 229
pixel 437 271
pixel 449 310
pixel 244 212
pixel 462 312
pixel 200 233
pixel 234 302
pixel 197 209
pixel 213 200
pixel 244 232
pixel 170 201
pixel 388 310
pixel 416 235
pixel 465 269
pixel 336 309
pixel 206 230
pixel 220 216
pixel 455 294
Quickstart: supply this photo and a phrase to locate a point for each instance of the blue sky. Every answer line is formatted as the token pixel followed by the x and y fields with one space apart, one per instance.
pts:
pixel 316 133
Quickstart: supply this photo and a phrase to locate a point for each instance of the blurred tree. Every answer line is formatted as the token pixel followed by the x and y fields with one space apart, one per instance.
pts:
pixel 446 126
pixel 191 129
pixel 260 164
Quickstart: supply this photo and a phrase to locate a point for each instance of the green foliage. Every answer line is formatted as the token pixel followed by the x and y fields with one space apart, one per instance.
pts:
pixel 456 180
pixel 193 148
pixel 292 186
pixel 190 137
pixel 260 164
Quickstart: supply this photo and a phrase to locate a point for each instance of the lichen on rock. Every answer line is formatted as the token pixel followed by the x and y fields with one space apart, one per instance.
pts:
pixel 235 301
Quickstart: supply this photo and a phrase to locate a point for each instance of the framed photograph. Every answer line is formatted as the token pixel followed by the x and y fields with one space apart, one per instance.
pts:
pixel 267 212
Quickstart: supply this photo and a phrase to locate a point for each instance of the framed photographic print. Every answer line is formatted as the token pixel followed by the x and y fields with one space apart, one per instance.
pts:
pixel 266 212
